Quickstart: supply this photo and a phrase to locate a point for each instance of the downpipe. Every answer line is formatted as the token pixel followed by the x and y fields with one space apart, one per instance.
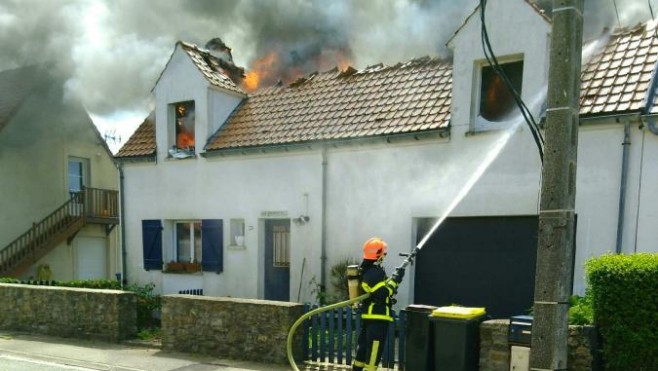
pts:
pixel 408 260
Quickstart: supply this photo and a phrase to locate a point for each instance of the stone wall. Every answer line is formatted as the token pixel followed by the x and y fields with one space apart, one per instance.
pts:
pixel 244 329
pixel 495 350
pixel 107 315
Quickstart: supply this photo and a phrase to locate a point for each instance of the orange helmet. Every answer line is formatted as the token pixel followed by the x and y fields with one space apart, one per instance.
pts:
pixel 374 249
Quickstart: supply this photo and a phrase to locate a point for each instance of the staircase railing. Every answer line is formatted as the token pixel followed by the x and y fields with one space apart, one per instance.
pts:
pixel 91 205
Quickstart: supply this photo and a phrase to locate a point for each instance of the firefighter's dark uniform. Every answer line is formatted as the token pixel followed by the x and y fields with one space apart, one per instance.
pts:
pixel 376 314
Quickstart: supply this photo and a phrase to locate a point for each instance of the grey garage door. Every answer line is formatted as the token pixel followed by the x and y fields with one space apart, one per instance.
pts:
pixel 479 262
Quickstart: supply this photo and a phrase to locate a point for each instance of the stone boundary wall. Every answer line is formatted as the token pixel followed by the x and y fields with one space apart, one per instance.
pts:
pixel 242 329
pixel 495 350
pixel 108 315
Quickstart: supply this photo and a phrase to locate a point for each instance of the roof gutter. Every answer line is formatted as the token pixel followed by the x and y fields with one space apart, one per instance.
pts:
pixel 319 144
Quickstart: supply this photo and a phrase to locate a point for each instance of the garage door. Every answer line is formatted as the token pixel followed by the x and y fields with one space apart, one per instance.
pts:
pixel 480 261
pixel 91 258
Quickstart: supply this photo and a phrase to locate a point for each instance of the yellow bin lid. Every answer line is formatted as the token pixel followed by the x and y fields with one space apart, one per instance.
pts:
pixel 458 312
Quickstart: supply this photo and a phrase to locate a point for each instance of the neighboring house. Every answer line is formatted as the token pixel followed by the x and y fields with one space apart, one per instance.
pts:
pixel 270 189
pixel 59 185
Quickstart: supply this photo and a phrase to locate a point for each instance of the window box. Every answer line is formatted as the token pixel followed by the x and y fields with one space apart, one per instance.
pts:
pixel 192 267
pixel 175 267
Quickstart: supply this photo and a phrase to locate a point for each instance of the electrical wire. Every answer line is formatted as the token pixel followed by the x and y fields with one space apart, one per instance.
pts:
pixel 614 2
pixel 493 62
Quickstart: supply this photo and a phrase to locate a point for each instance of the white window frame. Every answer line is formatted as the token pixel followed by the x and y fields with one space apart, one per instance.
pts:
pixel 193 238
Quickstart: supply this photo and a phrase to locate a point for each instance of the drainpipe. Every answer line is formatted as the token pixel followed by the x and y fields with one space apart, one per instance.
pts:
pixel 622 187
pixel 323 249
pixel 122 221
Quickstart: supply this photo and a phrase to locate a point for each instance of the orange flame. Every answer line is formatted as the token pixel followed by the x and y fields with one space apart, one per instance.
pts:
pixel 261 70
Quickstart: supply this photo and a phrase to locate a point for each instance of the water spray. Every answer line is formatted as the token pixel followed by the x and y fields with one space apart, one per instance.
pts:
pixel 411 256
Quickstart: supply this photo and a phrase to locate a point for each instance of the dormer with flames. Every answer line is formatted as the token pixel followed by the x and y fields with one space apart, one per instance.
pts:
pixel 519 35
pixel 196 92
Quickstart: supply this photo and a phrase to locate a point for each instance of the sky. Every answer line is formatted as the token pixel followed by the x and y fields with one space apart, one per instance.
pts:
pixel 111 52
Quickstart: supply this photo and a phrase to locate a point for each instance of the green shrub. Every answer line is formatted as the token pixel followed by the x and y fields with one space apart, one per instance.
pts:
pixel 338 274
pixel 148 305
pixel 624 296
pixel 9 280
pixel 580 310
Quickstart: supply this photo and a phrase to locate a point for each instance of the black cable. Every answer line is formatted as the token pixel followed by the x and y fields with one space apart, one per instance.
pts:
pixel 493 62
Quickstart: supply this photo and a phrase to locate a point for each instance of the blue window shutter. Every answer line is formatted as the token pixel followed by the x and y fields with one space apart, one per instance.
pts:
pixel 212 245
pixel 152 244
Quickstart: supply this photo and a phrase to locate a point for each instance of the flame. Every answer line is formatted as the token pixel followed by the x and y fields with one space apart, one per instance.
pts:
pixel 261 70
pixel 343 61
pixel 184 140
pixel 273 67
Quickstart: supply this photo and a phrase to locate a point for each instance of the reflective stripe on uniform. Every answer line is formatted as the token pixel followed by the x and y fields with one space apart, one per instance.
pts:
pixel 372 361
pixel 359 364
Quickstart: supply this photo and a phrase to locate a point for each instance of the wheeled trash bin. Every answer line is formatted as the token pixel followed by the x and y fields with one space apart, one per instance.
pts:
pixel 456 338
pixel 417 345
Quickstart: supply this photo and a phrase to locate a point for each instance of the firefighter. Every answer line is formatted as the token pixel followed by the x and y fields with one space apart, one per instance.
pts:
pixel 376 311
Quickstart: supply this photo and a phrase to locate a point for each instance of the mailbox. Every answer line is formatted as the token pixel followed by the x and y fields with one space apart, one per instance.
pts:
pixel 520 330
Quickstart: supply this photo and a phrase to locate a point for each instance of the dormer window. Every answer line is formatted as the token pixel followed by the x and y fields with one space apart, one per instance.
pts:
pixel 496 103
pixel 183 117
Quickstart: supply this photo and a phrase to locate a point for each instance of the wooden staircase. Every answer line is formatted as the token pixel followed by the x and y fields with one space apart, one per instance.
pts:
pixel 90 206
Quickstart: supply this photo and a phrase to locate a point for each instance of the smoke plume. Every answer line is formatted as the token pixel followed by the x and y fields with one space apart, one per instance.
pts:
pixel 112 51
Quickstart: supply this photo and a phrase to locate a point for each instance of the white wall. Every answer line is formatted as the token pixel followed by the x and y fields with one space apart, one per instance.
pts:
pixel 240 187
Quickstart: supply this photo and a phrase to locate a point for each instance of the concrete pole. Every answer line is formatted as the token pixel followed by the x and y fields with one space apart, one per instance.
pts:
pixel 556 241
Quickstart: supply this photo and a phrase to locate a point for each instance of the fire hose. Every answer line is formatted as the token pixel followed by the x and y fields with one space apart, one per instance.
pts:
pixel 408 260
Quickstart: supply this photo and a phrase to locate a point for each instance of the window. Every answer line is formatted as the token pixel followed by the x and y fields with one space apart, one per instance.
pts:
pixel 193 242
pixel 237 232
pixel 188 242
pixel 77 174
pixel 496 103
pixel 184 128
pixel 281 246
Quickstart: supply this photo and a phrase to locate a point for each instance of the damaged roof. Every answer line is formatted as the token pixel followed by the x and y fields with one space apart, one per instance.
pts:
pixel 405 98
pixel 619 78
pixel 413 97
pixel 218 72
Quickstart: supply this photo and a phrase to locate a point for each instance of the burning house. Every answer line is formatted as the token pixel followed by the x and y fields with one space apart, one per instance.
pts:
pixel 257 192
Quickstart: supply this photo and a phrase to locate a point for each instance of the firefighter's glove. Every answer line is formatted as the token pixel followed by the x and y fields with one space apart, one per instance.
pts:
pixel 398 275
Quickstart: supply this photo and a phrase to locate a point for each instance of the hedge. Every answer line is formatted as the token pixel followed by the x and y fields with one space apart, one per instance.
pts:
pixel 624 291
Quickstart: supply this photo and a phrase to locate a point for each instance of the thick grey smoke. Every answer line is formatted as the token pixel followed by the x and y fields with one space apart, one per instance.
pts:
pixel 112 51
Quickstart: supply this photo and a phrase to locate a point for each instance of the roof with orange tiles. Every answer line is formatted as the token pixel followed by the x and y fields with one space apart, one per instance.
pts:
pixel 416 97
pixel 15 86
pixel 619 78
pixel 215 70
pixel 142 143
pixel 334 105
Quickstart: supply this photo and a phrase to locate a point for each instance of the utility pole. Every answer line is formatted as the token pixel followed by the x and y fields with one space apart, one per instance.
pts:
pixel 556 241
